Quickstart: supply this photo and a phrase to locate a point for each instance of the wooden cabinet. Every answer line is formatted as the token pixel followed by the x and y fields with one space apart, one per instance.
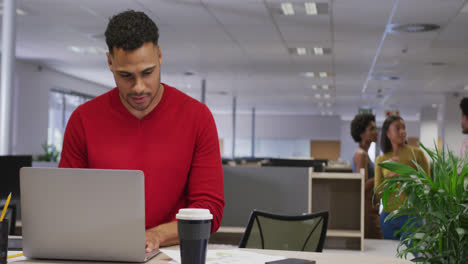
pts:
pixel 342 195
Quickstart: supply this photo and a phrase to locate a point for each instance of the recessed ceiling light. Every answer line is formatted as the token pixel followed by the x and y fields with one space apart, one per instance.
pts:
pixel 434 105
pixel 326 96
pixel 189 73
pixel 411 28
pixel 385 78
pixel 314 87
pixel 330 113
pixel 287 8
pixel 311 8
pixel 437 63
pixel 325 87
pixel 301 51
pixel 318 51
pixel 318 96
pixel 308 74
pixel 323 74
pixel 320 104
pixel 329 104
pixel 324 113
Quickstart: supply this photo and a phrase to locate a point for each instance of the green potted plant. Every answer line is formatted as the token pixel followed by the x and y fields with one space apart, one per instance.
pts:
pixel 439 201
pixel 51 154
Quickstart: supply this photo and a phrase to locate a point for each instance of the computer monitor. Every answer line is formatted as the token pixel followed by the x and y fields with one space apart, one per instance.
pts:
pixel 9 174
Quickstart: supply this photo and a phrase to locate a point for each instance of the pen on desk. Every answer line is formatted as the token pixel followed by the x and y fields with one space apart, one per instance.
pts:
pixel 5 207
pixel 15 255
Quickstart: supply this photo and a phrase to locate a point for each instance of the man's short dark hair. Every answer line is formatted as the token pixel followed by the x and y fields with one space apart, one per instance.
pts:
pixel 359 125
pixel 464 106
pixel 129 30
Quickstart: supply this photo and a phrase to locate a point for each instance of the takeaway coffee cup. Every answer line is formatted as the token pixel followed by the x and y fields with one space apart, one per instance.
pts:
pixel 194 226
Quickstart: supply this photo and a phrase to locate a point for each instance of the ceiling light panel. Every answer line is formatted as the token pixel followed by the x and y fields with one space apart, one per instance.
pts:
pixel 315 74
pixel 299 8
pixel 87 50
pixel 287 9
pixel 303 51
pixel 318 50
pixel 311 8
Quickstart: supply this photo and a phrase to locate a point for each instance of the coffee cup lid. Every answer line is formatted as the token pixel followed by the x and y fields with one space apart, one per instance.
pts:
pixel 194 214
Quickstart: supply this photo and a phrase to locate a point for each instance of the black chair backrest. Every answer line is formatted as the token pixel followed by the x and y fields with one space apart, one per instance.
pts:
pixel 298 233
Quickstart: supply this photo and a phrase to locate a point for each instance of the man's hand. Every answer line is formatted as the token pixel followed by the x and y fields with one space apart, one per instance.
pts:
pixel 152 239
pixel 161 236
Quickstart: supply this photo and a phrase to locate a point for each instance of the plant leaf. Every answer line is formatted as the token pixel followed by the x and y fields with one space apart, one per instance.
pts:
pixel 397 167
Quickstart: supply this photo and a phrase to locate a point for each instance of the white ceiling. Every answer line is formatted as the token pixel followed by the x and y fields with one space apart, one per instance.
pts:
pixel 241 48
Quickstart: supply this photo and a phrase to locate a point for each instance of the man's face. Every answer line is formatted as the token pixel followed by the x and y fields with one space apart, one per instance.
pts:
pixel 464 124
pixel 137 74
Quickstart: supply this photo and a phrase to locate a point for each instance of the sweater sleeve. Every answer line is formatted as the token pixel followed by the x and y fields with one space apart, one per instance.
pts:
pixel 205 183
pixel 74 153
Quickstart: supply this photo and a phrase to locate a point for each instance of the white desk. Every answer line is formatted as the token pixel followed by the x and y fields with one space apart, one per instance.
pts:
pixel 321 258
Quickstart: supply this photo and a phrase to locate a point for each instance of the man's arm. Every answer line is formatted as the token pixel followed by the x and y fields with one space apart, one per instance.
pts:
pixel 205 187
pixel 74 153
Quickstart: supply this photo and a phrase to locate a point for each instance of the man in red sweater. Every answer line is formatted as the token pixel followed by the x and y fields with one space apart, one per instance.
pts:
pixel 146 125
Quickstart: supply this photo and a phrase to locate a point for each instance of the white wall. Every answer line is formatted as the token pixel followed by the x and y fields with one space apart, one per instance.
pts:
pixel 452 133
pixel 31 103
pixel 348 146
pixel 276 126
pixel 429 127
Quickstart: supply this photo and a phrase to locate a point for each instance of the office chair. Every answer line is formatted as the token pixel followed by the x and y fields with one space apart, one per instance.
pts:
pixel 298 233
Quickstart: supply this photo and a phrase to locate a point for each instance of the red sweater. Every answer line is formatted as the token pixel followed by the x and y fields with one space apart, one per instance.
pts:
pixel 176 146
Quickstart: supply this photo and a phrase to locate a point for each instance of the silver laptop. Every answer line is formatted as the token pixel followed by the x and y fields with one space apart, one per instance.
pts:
pixel 83 214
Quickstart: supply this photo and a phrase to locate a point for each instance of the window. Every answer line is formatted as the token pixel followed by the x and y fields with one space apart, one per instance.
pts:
pixel 61 106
